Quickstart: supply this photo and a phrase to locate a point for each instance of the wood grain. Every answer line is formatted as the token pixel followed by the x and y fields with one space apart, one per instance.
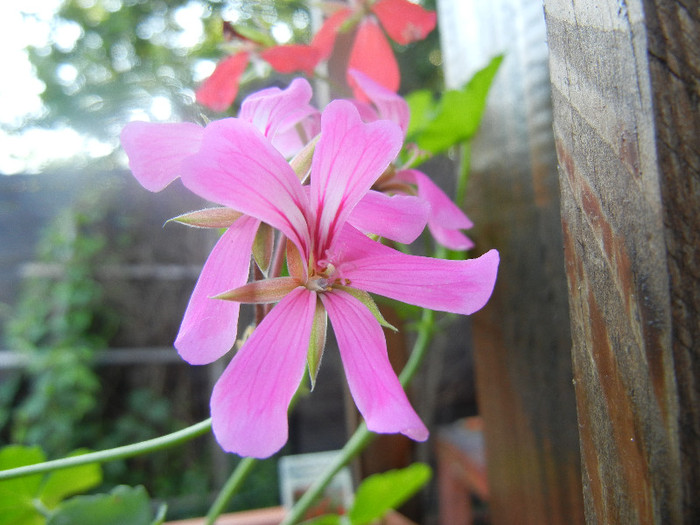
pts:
pixel 625 96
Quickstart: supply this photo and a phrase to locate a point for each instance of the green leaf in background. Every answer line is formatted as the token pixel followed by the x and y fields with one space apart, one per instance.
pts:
pixel 124 505
pixel 459 114
pixel 380 493
pixel 29 499
pixel 422 107
pixel 70 481
pixel 17 495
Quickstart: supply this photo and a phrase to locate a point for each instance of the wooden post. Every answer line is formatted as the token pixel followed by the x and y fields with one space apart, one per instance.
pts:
pixel 522 340
pixel 626 89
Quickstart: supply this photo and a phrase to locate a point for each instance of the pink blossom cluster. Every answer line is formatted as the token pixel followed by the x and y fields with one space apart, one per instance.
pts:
pixel 328 187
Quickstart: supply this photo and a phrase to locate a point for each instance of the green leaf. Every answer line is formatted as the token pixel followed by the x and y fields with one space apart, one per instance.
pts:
pixel 422 107
pixel 67 482
pixel 459 112
pixel 380 493
pixel 124 505
pixel 17 495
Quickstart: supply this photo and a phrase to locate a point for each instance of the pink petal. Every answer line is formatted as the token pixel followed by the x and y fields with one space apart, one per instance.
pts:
pixel 219 91
pixel 250 401
pixel 291 137
pixel 452 239
pixel 389 105
pixel 276 113
pixel 372 55
pixel 291 58
pixel 349 158
pixel 446 218
pixel 237 167
pixel 443 210
pixel 400 218
pixel 373 383
pixel 208 328
pixel 461 287
pixel 404 21
pixel 325 38
pixel 156 150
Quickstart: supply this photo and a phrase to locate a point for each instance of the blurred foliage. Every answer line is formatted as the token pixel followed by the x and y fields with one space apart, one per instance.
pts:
pixel 29 500
pixel 59 324
pixel 118 56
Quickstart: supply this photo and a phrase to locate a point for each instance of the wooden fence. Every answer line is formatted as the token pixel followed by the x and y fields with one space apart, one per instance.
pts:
pixel 600 422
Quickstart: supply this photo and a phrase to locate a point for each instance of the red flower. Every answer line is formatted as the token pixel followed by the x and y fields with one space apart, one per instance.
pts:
pixel 219 91
pixel 371 53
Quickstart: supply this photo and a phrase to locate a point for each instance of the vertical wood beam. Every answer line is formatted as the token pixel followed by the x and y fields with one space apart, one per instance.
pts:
pixel 625 94
pixel 522 340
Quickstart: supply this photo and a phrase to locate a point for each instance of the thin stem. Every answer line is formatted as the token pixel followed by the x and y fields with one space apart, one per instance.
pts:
pixel 363 437
pixel 238 476
pixel 463 174
pixel 102 456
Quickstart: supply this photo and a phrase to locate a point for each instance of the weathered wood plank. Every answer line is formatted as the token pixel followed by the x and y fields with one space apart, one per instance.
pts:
pixel 522 338
pixel 625 95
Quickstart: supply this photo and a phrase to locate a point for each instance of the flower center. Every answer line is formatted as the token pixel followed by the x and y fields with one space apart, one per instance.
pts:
pixel 318 283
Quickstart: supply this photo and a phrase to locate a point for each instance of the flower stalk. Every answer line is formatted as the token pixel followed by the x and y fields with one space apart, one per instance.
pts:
pixel 103 456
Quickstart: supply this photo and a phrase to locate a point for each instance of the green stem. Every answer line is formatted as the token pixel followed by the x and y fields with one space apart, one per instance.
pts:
pixel 238 476
pixel 363 437
pixel 102 456
pixel 463 175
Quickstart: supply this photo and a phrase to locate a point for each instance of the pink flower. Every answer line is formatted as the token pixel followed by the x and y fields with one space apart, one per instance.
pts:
pixel 219 91
pixel 156 154
pixel 445 219
pixel 371 53
pixel 332 268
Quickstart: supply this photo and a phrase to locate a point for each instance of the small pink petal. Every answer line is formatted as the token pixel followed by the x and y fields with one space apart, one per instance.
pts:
pixel 208 328
pixel 461 287
pixel 219 91
pixel 372 55
pixel 400 218
pixel 349 158
pixel 277 112
pixel 390 106
pixel 156 150
pixel 446 218
pixel 404 21
pixel 443 211
pixel 238 167
pixel 452 239
pixel 292 57
pixel 373 383
pixel 250 400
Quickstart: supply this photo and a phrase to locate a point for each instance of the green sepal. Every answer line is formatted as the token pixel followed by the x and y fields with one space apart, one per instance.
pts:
pixel 301 163
pixel 367 300
pixel 295 263
pixel 219 217
pixel 317 342
pixel 261 292
pixel 263 246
